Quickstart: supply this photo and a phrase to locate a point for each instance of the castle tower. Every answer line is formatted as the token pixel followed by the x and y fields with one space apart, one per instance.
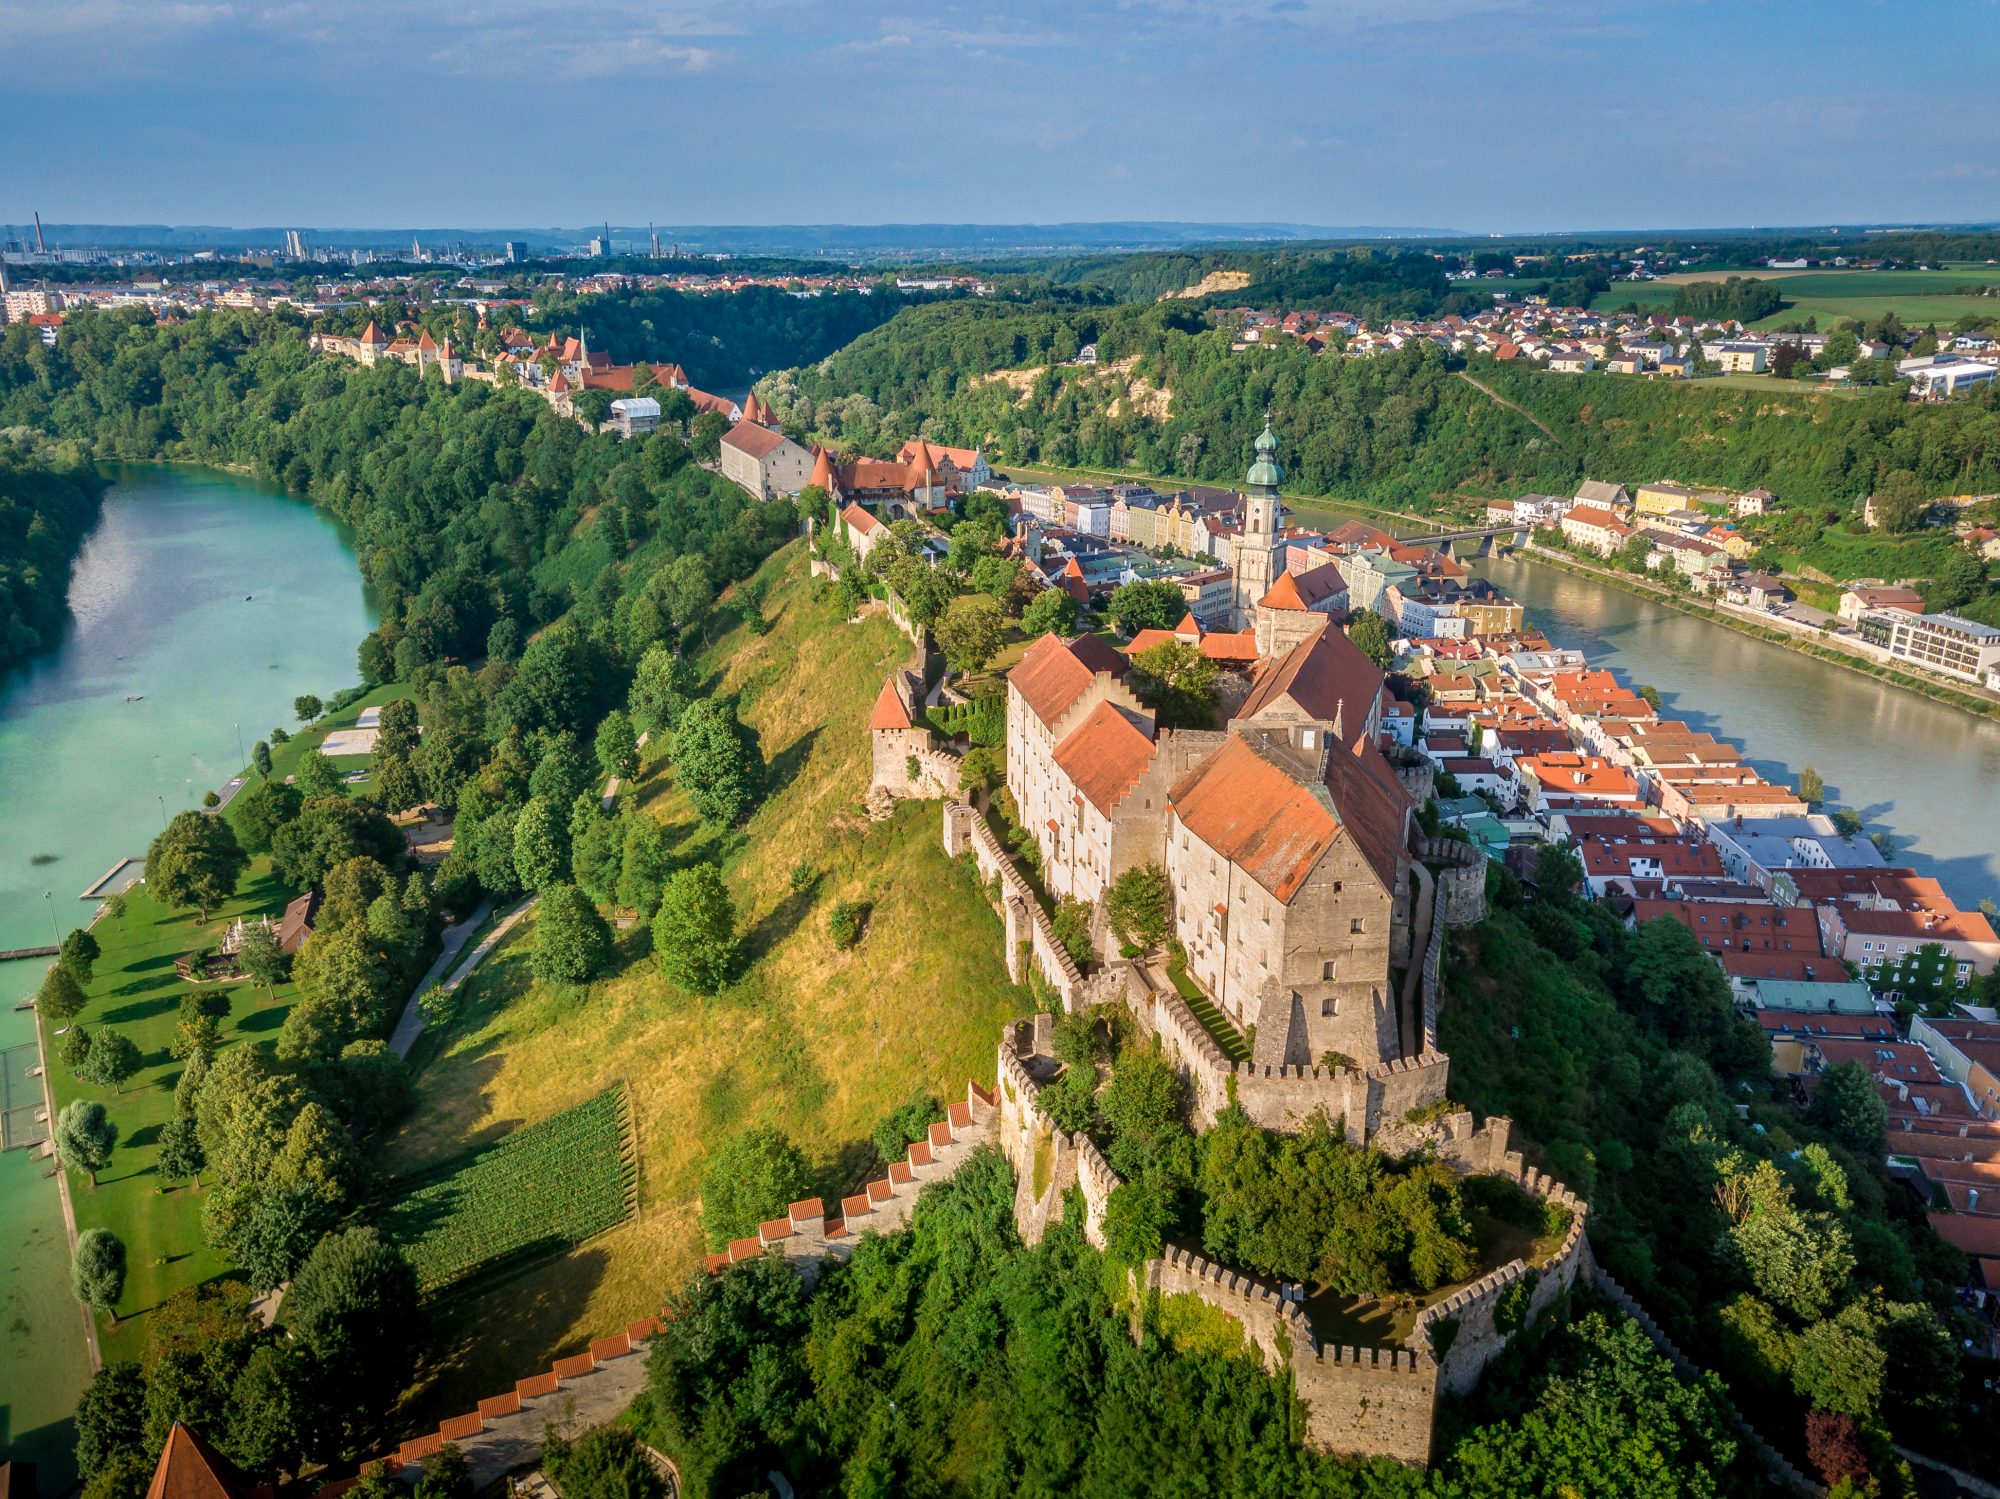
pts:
pixel 1254 556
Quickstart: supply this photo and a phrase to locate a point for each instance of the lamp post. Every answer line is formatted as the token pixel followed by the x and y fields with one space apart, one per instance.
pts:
pixel 49 900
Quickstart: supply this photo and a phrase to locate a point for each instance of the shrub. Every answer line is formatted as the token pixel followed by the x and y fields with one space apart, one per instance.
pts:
pixel 1072 928
pixel 210 799
pixel 846 922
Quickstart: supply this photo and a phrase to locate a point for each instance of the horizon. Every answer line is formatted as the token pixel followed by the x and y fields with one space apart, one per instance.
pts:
pixel 1493 116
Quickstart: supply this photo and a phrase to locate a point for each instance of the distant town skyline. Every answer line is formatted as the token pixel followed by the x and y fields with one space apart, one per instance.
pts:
pixel 1489 115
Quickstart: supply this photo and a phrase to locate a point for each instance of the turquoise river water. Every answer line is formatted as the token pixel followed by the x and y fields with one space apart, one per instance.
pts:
pixel 201 606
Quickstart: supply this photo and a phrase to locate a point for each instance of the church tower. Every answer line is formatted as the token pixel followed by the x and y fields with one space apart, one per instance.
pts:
pixel 1254 554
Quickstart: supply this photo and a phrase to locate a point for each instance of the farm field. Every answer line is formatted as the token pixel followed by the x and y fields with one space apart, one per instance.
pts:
pixel 815 1041
pixel 545 1186
pixel 1917 297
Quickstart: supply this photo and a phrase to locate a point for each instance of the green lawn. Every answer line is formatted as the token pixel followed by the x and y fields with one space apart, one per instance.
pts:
pixel 287 757
pixel 1235 1045
pixel 135 990
pixel 1917 297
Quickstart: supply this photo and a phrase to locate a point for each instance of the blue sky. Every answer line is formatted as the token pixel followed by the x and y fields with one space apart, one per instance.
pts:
pixel 1476 114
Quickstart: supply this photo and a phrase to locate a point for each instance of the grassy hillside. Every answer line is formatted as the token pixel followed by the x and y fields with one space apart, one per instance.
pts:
pixel 818 1042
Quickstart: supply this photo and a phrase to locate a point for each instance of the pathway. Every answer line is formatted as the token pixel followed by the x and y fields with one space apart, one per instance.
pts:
pixel 611 786
pixel 411 1025
pixel 1499 400
pixel 508 1443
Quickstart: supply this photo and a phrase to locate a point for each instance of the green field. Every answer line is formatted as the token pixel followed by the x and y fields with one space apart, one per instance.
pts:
pixel 1917 297
pixel 136 990
pixel 545 1187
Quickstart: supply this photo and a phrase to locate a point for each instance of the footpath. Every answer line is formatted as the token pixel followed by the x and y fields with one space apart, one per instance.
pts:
pixel 411 1025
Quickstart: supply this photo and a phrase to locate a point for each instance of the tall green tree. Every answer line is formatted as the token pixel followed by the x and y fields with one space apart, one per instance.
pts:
pixel 695 930
pixel 571 939
pixel 715 764
pixel 617 746
pixel 195 861
pixel 97 1270
pixel 113 1058
pixel 84 1137
pixel 79 954
pixel 752 1178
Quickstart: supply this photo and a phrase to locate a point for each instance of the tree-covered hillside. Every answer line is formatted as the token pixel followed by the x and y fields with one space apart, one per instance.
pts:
pixel 48 502
pixel 1410 428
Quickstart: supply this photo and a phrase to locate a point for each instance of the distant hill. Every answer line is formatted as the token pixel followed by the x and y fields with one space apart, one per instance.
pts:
pixel 743 239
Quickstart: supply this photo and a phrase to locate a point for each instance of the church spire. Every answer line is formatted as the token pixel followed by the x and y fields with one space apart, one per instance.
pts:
pixel 1265 473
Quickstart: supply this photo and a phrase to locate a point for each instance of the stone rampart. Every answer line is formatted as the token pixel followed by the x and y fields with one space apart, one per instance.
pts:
pixel 807 1234
pixel 1377 1402
pixel 1481 1317
pixel 1284 1098
pixel 1460 870
pixel 1029 934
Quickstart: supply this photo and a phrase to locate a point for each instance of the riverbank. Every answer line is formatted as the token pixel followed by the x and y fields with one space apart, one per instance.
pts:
pixel 1968 700
pixel 131 717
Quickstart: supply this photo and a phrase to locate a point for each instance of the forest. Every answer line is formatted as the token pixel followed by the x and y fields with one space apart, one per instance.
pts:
pixel 1411 428
pixel 951 1360
pixel 48 502
pixel 1771 1244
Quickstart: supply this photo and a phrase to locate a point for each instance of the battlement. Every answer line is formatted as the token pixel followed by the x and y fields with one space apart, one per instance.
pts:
pixel 1026 924
pixel 809 1232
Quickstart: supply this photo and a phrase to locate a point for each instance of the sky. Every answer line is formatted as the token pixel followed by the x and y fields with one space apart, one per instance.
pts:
pixel 1482 115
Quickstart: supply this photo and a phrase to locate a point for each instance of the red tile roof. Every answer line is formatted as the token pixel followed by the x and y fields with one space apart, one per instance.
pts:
pixel 747 437
pixel 191 1469
pixel 1257 815
pixel 1106 754
pixel 1327 677
pixel 889 710
pixel 1055 672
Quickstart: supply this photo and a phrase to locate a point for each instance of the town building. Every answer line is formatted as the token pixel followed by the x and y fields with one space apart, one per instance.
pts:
pixel 1945 643
pixel 764 463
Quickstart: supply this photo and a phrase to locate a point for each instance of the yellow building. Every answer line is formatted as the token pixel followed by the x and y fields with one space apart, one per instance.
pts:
pixel 1662 498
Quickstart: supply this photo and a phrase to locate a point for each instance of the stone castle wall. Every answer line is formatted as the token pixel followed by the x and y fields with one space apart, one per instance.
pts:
pixel 1031 940
pixel 1461 880
pixel 1373 1402
pixel 1483 1315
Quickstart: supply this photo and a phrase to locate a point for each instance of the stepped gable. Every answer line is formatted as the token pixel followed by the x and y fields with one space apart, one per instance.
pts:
pixel 1105 755
pixel 1327 678
pixel 1055 672
pixel 1258 815
pixel 189 1468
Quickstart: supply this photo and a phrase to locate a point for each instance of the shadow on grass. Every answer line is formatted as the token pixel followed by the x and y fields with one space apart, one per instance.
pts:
pixel 487 1334
pixel 780 922
pixel 257 1022
pixel 784 769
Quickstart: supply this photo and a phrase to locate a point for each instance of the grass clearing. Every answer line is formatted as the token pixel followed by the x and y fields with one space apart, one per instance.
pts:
pixel 544 1187
pixel 134 990
pixel 816 1041
pixel 1235 1045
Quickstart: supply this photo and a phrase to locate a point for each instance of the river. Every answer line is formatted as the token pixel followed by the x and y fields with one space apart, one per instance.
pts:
pixel 201 606
pixel 1925 773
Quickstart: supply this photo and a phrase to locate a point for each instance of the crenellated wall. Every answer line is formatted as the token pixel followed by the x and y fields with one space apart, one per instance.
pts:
pixel 1028 932
pixel 1373 1402
pixel 1460 870
pixel 1486 1313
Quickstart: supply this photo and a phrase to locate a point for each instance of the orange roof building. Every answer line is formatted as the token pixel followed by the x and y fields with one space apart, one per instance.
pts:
pixel 189 1468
